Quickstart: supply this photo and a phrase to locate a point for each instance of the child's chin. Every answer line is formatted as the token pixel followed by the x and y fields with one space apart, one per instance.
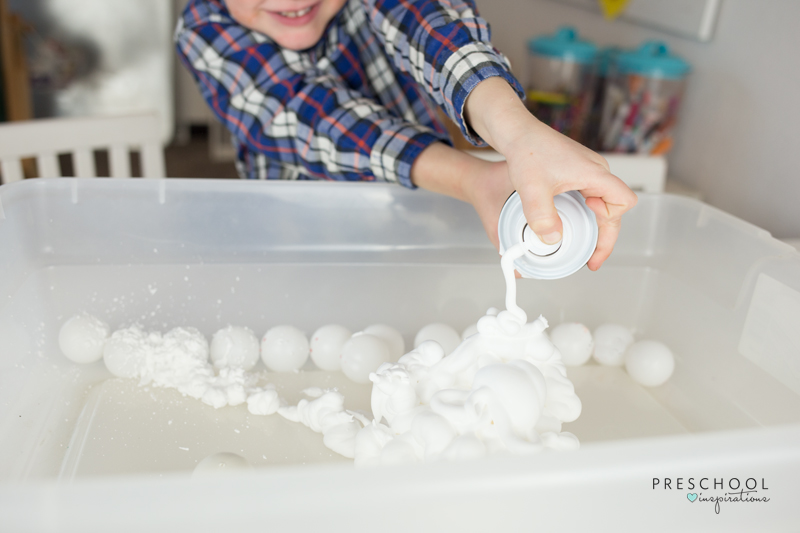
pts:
pixel 299 40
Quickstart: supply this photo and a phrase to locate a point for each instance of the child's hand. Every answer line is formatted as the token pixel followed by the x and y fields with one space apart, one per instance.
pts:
pixel 445 170
pixel 543 163
pixel 487 189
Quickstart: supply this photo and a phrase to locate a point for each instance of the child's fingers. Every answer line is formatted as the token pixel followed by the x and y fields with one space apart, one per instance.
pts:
pixel 608 211
pixel 540 212
pixel 606 238
pixel 615 194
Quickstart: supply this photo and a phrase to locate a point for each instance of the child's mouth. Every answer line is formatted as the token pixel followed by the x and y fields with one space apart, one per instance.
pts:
pixel 295 14
pixel 298 17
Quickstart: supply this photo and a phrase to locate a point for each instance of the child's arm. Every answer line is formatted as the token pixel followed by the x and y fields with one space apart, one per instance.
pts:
pixel 445 170
pixel 446 48
pixel 543 163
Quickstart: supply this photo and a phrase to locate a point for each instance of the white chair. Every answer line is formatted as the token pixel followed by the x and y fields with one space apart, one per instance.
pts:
pixel 46 139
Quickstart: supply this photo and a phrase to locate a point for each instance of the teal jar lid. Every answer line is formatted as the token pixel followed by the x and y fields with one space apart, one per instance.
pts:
pixel 607 59
pixel 564 44
pixel 653 60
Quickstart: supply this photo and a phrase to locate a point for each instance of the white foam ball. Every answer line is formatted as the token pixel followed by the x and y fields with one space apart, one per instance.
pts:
pixel 393 339
pixel 82 338
pixel 362 355
pixel 284 349
pixel 445 335
pixel 574 341
pixel 610 343
pixel 326 346
pixel 125 352
pixel 220 464
pixel 649 363
pixel 235 347
pixel 469 332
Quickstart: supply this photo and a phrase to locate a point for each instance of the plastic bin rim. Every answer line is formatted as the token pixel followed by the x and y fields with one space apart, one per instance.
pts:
pixel 604 455
pixel 10 192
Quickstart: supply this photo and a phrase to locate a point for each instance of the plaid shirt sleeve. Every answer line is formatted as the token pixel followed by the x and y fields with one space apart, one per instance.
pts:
pixel 277 103
pixel 444 45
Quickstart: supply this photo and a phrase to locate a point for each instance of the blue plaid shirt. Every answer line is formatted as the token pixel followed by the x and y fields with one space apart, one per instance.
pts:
pixel 359 105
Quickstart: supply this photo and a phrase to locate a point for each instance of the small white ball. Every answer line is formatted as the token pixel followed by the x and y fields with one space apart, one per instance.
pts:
pixel 326 346
pixel 82 338
pixel 393 339
pixel 220 464
pixel 469 332
pixel 574 341
pixel 610 343
pixel 649 363
pixel 125 352
pixel 284 349
pixel 362 355
pixel 235 347
pixel 445 335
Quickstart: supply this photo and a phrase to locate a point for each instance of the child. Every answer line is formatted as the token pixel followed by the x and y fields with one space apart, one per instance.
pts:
pixel 347 90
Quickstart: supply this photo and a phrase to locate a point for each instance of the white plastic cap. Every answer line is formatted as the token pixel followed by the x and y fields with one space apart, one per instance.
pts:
pixel 550 261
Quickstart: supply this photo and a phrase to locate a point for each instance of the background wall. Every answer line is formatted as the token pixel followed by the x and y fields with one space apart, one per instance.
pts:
pixel 100 57
pixel 738 140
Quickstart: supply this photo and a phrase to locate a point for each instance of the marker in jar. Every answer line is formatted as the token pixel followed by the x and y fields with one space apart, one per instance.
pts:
pixel 550 261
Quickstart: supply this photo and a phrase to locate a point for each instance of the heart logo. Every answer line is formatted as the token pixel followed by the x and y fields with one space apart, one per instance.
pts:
pixel 692 496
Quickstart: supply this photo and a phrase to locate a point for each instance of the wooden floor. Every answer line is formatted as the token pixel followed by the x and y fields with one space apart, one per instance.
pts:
pixel 191 160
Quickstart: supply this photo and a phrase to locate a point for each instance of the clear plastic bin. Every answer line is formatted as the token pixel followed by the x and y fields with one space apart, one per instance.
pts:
pixel 80 451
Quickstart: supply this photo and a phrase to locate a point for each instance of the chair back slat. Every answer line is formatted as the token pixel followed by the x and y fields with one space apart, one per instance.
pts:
pixel 153 161
pixel 11 169
pixel 46 138
pixel 47 164
pixel 120 162
pixel 83 163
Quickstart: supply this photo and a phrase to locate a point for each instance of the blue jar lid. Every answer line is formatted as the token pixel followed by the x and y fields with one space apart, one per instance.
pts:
pixel 564 44
pixel 653 60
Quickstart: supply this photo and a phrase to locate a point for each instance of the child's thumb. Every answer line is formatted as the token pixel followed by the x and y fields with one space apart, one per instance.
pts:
pixel 542 217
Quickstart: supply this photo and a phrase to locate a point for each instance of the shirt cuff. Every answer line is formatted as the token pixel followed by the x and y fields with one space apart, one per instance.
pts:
pixel 463 71
pixel 397 148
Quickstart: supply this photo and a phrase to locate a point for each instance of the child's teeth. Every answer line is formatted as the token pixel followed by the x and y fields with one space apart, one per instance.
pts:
pixel 294 14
